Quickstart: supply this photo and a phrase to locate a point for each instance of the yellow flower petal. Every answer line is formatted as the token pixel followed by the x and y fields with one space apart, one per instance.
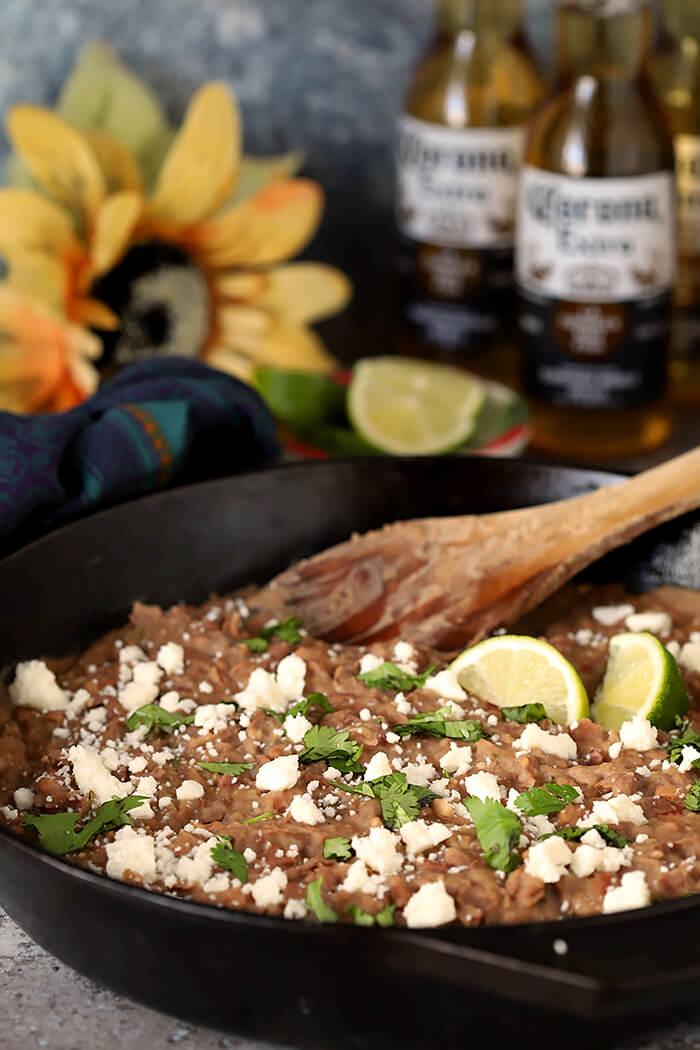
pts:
pixel 304 292
pixel 240 287
pixel 94 314
pixel 59 158
pixel 199 170
pixel 268 227
pixel 114 225
pixel 39 277
pixel 271 340
pixel 229 361
pixel 31 223
pixel 119 168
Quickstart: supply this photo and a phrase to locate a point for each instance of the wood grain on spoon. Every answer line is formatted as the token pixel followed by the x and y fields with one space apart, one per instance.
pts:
pixel 447 582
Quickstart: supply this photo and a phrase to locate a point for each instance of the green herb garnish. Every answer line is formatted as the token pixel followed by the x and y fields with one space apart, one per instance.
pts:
pixel 57 830
pixel 360 917
pixel 153 716
pixel 302 707
pixel 498 831
pixel 389 676
pixel 400 801
pixel 337 849
pixel 316 903
pixel 686 738
pixel 232 769
pixel 287 631
pixel 612 837
pixel 227 857
pixel 334 746
pixel 524 713
pixel 434 723
pixel 548 799
pixel 692 799
pixel 254 820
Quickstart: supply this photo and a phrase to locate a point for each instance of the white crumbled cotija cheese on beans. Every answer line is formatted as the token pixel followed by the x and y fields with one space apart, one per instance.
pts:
pixel 212 718
pixel 420 773
pixel 689 755
pixel 278 775
pixel 262 690
pixel 36 686
pixel 378 850
pixel 295 909
pixel 632 892
pixel 217 884
pixel 137 694
pixel 445 684
pixel 197 867
pixel 610 614
pixel 378 766
pixel 483 786
pixel 148 673
pixel 92 776
pixel 169 701
pixel 655 622
pixel 689 656
pixel 189 790
pixel 588 859
pixel 560 744
pixel 615 749
pixel 295 726
pixel 639 734
pixel 420 836
pixel 548 860
pixel 405 657
pixel 267 891
pixel 370 662
pixel 457 761
pixel 24 798
pixel 131 852
pixel 171 658
pixel 613 811
pixel 291 675
pixel 359 880
pixel 304 810
pixel 431 905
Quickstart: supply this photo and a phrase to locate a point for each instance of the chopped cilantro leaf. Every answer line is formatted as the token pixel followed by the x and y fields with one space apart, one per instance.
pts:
pixel 337 849
pixel 227 857
pixel 389 676
pixel 400 801
pixel 524 713
pixel 692 799
pixel 498 831
pixel 316 903
pixel 334 746
pixel 434 723
pixel 153 716
pixel 319 700
pixel 232 769
pixel 360 917
pixel 260 816
pixel 612 837
pixel 686 738
pixel 548 799
pixel 57 830
pixel 287 631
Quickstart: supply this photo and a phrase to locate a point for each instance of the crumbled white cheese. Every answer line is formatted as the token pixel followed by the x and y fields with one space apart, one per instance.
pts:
pixel 304 810
pixel 171 658
pixel 632 892
pixel 431 905
pixel 138 764
pixel 689 755
pixel 131 852
pixel 457 761
pixel 9 813
pixel 589 858
pixel 378 850
pixel 148 673
pixel 278 775
pixel 420 836
pixel 169 701
pixel 137 694
pixel 584 636
pixel 674 648
pixel 613 811
pixel 560 744
pixel 483 786
pixel 197 866
pixel 445 684
pixel 78 703
pixel 295 909
pixel 189 790
pixel 291 675
pixel 359 880
pixel 370 662
pixel 689 656
pixel 205 687
pixel 405 657
pixel 267 891
pixel 217 883
pixel 295 726
pixel 24 798
pixel 655 622
pixel 639 734
pixel 36 686
pixel 130 655
pixel 420 773
pixel 249 855
pixel 92 776
pixel 615 749
pixel 262 690
pixel 365 714
pixel 548 860
pixel 610 614
pixel 146 786
pixel 378 766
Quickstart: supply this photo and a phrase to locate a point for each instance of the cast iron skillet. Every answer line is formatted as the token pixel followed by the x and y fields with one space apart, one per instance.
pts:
pixel 291 981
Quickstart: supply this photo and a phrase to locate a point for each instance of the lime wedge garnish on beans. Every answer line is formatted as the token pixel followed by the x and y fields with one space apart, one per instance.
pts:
pixel 512 670
pixel 641 680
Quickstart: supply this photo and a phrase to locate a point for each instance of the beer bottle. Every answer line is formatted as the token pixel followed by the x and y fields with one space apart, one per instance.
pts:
pixel 677 74
pixel 460 141
pixel 595 252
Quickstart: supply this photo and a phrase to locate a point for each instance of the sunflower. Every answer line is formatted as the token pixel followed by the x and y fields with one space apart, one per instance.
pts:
pixel 181 271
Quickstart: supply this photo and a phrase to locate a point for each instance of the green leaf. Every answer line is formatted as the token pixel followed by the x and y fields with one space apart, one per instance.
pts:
pixel 318 700
pixel 551 798
pixel 154 716
pixel 498 831
pixel 337 849
pixel 400 802
pixel 227 857
pixel 612 837
pixel 524 713
pixel 231 769
pixel 57 830
pixel 286 631
pixel 254 820
pixel 434 723
pixel 692 799
pixel 389 676
pixel 316 903
pixel 686 738
pixel 360 917
pixel 326 744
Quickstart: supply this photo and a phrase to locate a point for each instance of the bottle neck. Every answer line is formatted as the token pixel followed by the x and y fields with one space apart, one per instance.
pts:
pixel 605 39
pixel 504 17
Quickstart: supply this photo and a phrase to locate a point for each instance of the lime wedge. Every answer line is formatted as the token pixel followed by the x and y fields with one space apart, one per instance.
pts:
pixel 413 408
pixel 641 680
pixel 301 399
pixel 511 670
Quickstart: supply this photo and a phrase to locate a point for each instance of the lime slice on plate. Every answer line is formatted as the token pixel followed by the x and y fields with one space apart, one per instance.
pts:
pixel 511 670
pixel 641 679
pixel 413 408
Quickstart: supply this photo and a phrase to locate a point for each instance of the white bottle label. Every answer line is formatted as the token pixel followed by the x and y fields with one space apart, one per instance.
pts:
pixel 688 181
pixel 457 188
pixel 595 240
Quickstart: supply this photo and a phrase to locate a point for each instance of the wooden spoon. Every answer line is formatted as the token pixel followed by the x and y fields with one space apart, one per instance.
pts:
pixel 447 582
